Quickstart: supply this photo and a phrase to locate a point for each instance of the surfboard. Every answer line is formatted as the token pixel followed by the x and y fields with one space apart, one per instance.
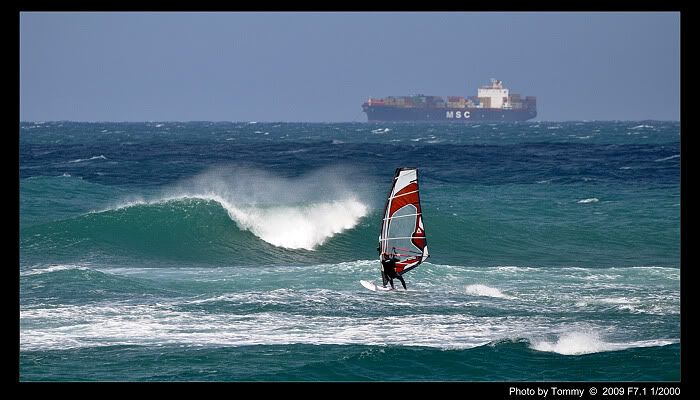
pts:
pixel 371 286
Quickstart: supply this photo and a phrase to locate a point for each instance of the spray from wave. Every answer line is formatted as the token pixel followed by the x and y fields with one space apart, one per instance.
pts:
pixel 574 343
pixel 578 343
pixel 294 213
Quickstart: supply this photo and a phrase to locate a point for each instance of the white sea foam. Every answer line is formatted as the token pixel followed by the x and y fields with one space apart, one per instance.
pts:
pixel 591 200
pixel 74 326
pixel 52 268
pixel 343 313
pixel 487 291
pixel 668 158
pixel 514 269
pixel 574 343
pixel 100 157
pixel 95 325
pixel 577 343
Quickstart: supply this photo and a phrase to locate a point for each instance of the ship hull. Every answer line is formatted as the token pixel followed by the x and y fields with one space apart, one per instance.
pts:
pixel 452 115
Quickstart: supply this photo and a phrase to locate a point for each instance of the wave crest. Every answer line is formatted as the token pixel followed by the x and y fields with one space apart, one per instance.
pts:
pixel 293 213
pixel 578 343
pixel 301 227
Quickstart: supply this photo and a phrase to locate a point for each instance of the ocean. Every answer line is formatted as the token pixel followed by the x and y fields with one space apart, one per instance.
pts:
pixel 224 251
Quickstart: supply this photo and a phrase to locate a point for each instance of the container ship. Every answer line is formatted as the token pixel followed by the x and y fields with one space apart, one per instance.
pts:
pixel 492 103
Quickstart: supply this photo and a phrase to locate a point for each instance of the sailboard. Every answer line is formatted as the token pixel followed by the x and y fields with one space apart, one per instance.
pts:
pixel 374 287
pixel 402 232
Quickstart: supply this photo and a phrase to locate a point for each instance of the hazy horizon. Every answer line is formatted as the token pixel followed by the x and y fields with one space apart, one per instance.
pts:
pixel 535 120
pixel 321 66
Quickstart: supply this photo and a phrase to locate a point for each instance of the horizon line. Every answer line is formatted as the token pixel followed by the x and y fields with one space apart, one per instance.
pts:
pixel 338 122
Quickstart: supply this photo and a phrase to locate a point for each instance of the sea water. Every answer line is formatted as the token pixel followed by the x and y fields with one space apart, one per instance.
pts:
pixel 233 252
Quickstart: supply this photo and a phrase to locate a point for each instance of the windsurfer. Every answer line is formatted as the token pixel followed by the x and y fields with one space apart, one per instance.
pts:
pixel 389 271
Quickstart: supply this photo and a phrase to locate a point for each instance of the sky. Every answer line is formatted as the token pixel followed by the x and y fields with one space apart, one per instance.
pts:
pixel 321 67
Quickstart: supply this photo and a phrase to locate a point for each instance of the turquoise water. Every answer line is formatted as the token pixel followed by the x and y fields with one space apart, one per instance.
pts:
pixel 233 251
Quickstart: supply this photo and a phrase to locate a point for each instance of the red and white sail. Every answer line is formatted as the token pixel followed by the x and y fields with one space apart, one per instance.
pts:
pixel 402 223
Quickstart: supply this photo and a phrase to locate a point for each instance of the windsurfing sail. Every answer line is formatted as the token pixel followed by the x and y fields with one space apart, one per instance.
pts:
pixel 402 224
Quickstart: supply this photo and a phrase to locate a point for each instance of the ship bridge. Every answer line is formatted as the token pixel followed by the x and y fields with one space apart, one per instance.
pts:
pixel 494 95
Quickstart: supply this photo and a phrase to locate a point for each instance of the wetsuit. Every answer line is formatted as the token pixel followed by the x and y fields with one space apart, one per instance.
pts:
pixel 389 272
